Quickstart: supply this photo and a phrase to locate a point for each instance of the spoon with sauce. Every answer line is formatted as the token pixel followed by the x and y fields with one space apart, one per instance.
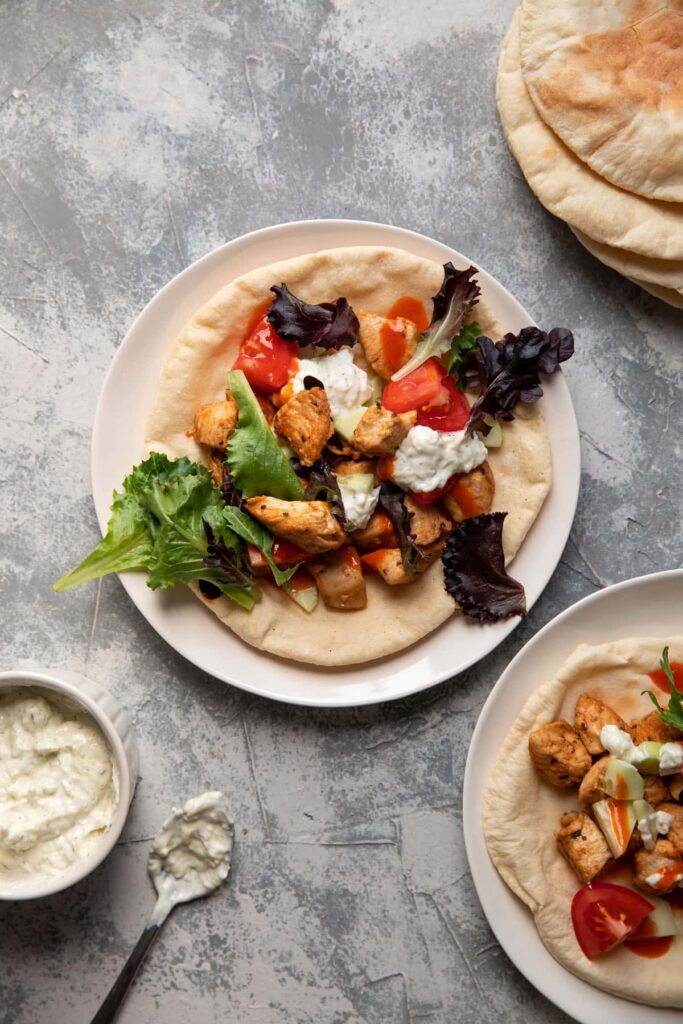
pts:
pixel 190 858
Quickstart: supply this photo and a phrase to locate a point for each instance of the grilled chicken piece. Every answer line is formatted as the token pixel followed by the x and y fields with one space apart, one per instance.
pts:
pixel 340 579
pixel 370 337
pixel 651 727
pixel 379 533
pixel 675 833
pixel 389 564
pixel 380 432
pixel 214 423
pixel 215 461
pixel 558 754
pixel 664 858
pixel 592 786
pixel 267 408
pixel 472 494
pixel 351 466
pixel 656 789
pixel 309 524
pixel 306 423
pixel 583 845
pixel 675 786
pixel 427 524
pixel 590 716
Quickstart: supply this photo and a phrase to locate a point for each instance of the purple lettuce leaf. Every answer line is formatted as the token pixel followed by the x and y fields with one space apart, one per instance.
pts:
pixel 328 325
pixel 474 570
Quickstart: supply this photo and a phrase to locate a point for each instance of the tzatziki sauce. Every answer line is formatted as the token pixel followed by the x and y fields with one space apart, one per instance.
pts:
pixel 347 385
pixel 426 458
pixel 191 854
pixel 358 505
pixel 59 785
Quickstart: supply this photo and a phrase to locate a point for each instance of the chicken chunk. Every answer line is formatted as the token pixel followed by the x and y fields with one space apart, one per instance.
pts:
pixel 214 423
pixel 472 494
pixel 340 579
pixel 558 754
pixel 389 564
pixel 427 524
pixel 675 833
pixel 651 727
pixel 380 432
pixel 592 786
pixel 306 423
pixel 583 845
pixel 215 461
pixel 350 466
pixel 379 533
pixel 675 786
pixel 309 524
pixel 656 789
pixel 663 860
pixel 383 359
pixel 589 717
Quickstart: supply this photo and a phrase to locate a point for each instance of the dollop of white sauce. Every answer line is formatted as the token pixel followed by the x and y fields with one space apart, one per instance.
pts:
pixel 620 745
pixel 427 458
pixel 58 782
pixel 654 824
pixel 191 854
pixel 670 758
pixel 347 386
pixel 358 506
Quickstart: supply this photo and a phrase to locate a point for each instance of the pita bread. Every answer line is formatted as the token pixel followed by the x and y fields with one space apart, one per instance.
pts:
pixel 568 187
pixel 607 77
pixel 665 294
pixel 521 812
pixel 194 373
pixel 666 274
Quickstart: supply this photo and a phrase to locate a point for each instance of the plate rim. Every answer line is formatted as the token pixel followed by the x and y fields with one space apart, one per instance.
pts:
pixel 327 227
pixel 534 970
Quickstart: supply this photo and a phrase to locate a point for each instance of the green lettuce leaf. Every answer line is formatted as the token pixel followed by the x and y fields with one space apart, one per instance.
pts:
pixel 168 520
pixel 246 527
pixel 257 463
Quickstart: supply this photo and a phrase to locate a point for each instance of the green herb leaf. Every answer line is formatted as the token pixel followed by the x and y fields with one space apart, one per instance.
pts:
pixel 673 715
pixel 463 343
pixel 257 463
pixel 250 530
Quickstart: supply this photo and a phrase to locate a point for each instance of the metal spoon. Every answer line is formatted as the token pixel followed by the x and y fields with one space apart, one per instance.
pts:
pixel 190 858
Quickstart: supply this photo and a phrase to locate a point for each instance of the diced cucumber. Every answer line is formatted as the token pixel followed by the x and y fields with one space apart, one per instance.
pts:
pixel 306 597
pixel 650 764
pixel 623 781
pixel 360 483
pixel 346 422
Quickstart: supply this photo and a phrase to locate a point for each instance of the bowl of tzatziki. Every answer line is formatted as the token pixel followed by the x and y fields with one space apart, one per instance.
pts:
pixel 68 768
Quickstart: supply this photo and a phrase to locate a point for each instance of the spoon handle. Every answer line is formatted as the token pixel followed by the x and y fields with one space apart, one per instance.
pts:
pixel 110 1007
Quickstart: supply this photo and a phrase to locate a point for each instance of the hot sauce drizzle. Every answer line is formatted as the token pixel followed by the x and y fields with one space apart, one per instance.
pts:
pixel 660 680
pixel 410 308
pixel 393 331
pixel 650 948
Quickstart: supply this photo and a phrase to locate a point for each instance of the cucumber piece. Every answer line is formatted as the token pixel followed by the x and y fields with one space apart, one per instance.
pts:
pixel 659 922
pixel 306 598
pixel 346 422
pixel 617 820
pixel 360 483
pixel 623 781
pixel 650 764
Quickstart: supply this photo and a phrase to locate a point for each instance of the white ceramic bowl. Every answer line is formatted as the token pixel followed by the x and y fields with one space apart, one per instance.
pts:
pixel 116 726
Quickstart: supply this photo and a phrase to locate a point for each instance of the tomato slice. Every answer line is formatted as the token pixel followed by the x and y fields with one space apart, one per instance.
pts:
pixel 416 389
pixel 604 915
pixel 448 411
pixel 265 358
pixel 433 393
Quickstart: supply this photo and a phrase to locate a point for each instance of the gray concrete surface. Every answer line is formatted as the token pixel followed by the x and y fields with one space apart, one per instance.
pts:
pixel 135 137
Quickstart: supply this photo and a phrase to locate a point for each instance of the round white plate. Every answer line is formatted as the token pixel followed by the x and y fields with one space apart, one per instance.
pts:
pixel 646 606
pixel 177 615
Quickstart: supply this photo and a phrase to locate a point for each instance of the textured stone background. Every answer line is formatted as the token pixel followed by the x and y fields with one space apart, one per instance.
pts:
pixel 135 137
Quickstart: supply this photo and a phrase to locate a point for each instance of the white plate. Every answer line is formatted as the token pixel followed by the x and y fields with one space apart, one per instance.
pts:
pixel 179 617
pixel 647 606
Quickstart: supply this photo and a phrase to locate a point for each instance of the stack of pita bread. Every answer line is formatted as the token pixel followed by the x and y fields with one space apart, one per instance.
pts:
pixel 590 94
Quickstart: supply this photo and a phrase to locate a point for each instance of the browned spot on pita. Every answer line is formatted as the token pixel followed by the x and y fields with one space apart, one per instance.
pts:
pixel 614 75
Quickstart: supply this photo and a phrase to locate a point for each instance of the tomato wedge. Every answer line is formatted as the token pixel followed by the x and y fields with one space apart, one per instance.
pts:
pixel 604 915
pixel 449 410
pixel 265 358
pixel 433 393
pixel 427 497
pixel 416 389
pixel 285 555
